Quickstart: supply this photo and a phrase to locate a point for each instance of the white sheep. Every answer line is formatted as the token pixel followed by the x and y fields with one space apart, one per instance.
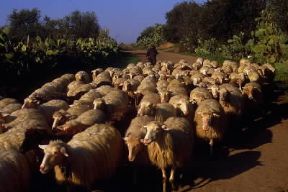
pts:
pixel 166 144
pixel 88 157
pixel 210 121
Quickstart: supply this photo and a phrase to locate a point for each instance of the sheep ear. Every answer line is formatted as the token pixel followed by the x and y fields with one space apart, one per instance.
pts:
pixel 125 138
pixel 216 115
pixel 142 140
pixel 145 126
pixel 42 146
pixel 64 152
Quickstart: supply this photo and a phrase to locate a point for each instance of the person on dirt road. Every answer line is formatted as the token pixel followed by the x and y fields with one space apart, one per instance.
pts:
pixel 151 54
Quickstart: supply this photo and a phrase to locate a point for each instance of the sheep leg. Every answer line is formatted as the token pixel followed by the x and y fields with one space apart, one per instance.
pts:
pixel 211 142
pixel 164 180
pixel 172 178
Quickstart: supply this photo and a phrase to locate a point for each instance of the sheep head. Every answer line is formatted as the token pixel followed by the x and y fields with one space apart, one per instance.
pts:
pixel 32 102
pixel 99 103
pixel 164 96
pixel 60 117
pixel 54 154
pixel 134 145
pixel 153 130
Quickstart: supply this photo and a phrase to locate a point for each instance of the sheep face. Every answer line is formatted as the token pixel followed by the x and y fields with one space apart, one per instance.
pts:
pixel 134 147
pixel 59 117
pixel 153 130
pixel 30 103
pixel 182 106
pixel 54 154
pixel 215 91
pixel 99 103
pixel 164 96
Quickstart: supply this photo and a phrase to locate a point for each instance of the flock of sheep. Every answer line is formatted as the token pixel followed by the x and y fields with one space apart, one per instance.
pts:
pixel 78 120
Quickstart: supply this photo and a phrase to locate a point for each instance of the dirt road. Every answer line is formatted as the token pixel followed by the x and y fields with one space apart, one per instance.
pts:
pixel 255 160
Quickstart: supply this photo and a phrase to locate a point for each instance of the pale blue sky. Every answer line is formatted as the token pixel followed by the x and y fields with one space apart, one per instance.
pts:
pixel 125 19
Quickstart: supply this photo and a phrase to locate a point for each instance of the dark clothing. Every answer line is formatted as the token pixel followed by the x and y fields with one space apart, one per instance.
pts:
pixel 151 55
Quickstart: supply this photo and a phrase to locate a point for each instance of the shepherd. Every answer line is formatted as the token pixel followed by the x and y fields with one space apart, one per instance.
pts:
pixel 151 54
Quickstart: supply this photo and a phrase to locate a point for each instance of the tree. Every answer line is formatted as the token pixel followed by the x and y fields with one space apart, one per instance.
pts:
pixel 23 23
pixel 152 35
pixel 81 24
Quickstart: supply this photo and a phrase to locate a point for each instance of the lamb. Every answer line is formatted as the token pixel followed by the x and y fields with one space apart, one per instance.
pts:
pixel 83 121
pixel 15 172
pixel 133 136
pixel 88 157
pixel 210 121
pixel 199 94
pixel 115 103
pixel 165 146
pixel 148 103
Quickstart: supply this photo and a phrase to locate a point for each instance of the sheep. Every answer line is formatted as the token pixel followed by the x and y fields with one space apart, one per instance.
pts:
pixel 229 66
pixel 26 119
pixel 199 94
pixel 220 77
pixel 268 72
pixel 176 87
pixel 115 103
pixel 61 116
pixel 238 79
pixel 182 104
pixel 231 100
pixel 253 96
pixel 196 77
pixel 105 89
pixel 83 121
pixel 96 72
pixel 51 90
pixel 133 136
pixel 89 97
pixel 147 85
pixel 165 147
pixel 103 78
pixel 10 108
pixel 148 103
pixel 15 173
pixel 82 76
pixel 79 90
pixel 88 157
pixel 210 121
pixel 7 101
pixel 206 70
pixel 164 111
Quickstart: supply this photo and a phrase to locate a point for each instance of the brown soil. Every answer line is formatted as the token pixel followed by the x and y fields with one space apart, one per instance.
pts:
pixel 254 160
